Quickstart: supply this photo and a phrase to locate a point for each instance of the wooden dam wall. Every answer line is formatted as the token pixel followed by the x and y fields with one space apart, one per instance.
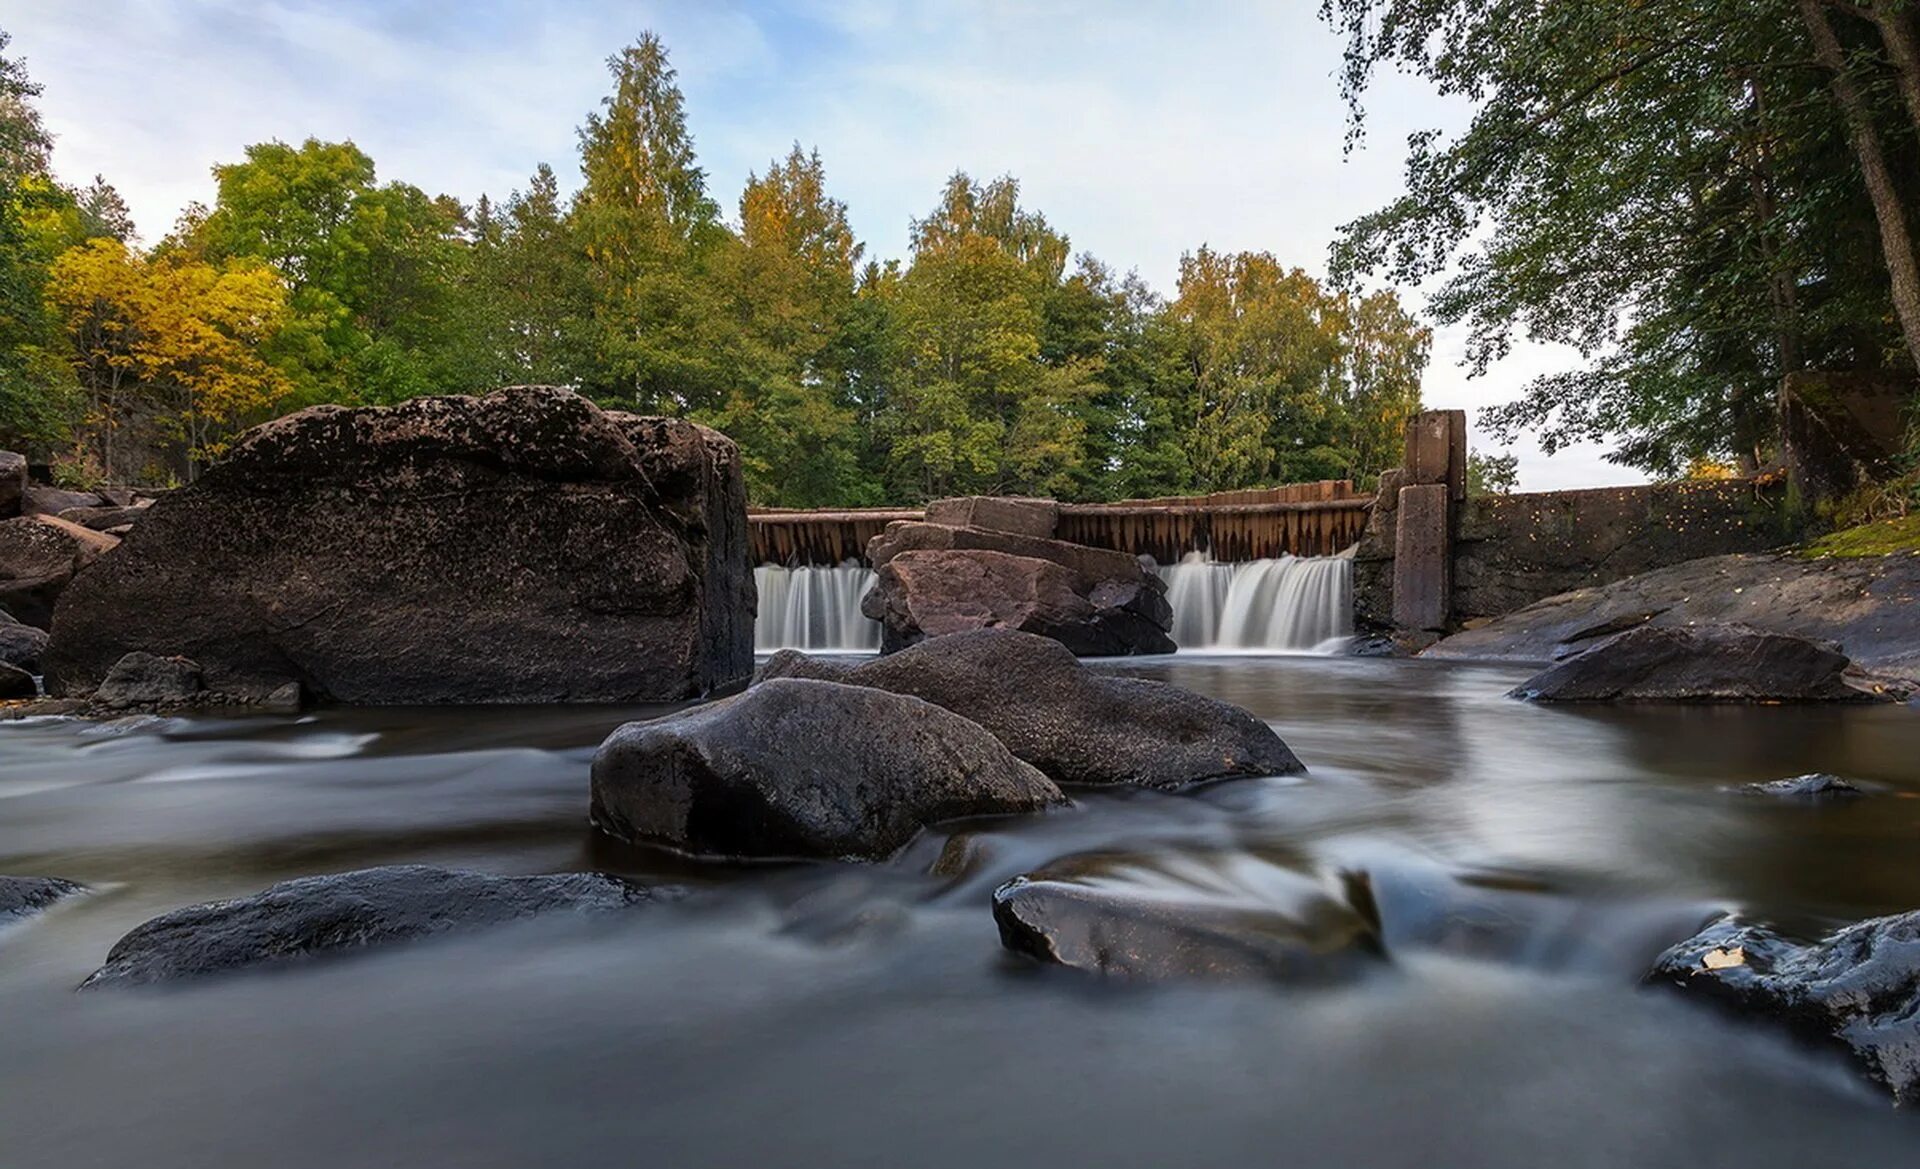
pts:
pixel 1300 519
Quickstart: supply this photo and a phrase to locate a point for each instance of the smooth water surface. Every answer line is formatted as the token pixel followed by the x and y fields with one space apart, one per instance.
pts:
pixel 866 1016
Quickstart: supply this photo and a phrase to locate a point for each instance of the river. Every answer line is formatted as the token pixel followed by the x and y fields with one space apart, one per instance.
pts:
pixel 802 1016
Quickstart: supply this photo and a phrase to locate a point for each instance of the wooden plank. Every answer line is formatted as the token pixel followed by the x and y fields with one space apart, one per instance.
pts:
pixel 1423 558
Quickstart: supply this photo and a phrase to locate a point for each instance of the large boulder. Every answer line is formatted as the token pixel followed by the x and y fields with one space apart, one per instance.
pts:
pixel 1707 663
pixel 1077 725
pixel 802 768
pixel 937 579
pixel 1858 988
pixel 312 916
pixel 42 499
pixel 1869 604
pixel 13 483
pixel 39 558
pixel 526 546
pixel 21 644
pixel 23 897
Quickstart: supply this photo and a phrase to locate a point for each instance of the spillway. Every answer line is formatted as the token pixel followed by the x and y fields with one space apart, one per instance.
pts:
pixel 814 608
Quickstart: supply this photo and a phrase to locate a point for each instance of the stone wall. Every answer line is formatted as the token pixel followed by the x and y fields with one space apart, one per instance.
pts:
pixel 1512 550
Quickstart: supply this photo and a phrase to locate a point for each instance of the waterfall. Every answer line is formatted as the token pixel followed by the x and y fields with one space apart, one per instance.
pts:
pixel 813 608
pixel 1293 603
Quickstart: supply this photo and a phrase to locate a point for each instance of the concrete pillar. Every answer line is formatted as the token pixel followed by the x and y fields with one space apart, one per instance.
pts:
pixel 1437 450
pixel 1423 558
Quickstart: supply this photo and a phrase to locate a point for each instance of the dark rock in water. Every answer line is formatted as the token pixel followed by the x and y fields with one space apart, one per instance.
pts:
pixel 1076 916
pixel 16 683
pixel 525 546
pixel 800 768
pixel 313 916
pixel 1859 987
pixel 21 645
pixel 22 897
pixel 1803 787
pixel 1707 663
pixel 1869 604
pixel 106 518
pixel 40 499
pixel 1077 725
pixel 144 679
pixel 39 557
pixel 13 483
pixel 934 580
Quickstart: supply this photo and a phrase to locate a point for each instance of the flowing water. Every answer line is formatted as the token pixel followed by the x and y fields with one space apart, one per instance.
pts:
pixel 1291 604
pixel 828 1015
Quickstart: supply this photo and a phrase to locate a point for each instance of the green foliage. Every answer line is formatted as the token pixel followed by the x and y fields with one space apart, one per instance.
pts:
pixel 1889 537
pixel 1666 187
pixel 1492 474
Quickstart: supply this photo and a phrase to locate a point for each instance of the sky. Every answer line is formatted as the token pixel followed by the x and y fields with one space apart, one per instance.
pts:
pixel 1140 129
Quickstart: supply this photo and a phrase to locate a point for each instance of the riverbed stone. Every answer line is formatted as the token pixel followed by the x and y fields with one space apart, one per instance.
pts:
pixel 39 557
pixel 1077 725
pixel 1705 663
pixel 526 546
pixel 1858 988
pixel 801 768
pixel 309 917
pixel 41 499
pixel 1075 915
pixel 23 897
pixel 107 518
pixel 21 644
pixel 144 679
pixel 933 580
pixel 1814 788
pixel 16 683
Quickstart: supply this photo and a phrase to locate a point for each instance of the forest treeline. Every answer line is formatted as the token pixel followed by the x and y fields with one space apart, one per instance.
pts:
pixel 991 359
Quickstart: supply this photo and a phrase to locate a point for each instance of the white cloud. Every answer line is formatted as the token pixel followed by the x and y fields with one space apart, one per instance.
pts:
pixel 1140 129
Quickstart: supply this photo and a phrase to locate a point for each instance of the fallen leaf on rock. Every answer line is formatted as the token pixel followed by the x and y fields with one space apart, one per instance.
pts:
pixel 1722 959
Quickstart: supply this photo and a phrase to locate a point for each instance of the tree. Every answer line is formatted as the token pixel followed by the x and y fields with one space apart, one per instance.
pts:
pixel 1660 186
pixel 650 234
pixel 529 288
pixel 32 389
pixel 170 345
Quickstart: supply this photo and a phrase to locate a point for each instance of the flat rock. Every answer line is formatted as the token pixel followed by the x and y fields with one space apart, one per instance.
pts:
pixel 1858 988
pixel 526 546
pixel 39 557
pixel 1706 663
pixel 23 897
pixel 802 768
pixel 1078 726
pixel 314 916
pixel 1868 605
pixel 41 499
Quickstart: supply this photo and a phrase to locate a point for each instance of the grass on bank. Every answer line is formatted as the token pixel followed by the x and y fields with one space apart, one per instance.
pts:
pixel 1879 538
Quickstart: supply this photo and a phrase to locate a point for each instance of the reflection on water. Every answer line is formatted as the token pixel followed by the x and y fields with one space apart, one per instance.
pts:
pixel 1523 862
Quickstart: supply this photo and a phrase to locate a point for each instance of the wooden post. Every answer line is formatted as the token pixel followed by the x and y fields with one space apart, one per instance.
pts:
pixel 1423 558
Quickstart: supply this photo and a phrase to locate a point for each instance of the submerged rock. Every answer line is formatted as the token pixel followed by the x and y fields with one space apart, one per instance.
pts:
pixel 39 557
pixel 1706 663
pixel 1077 725
pixel 525 546
pixel 22 897
pixel 1089 914
pixel 1859 988
pixel 312 916
pixel 933 580
pixel 802 768
pixel 1820 786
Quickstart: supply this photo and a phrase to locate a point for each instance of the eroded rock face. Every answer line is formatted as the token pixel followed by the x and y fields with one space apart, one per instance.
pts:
pixel 23 897
pixel 1078 726
pixel 521 547
pixel 802 768
pixel 39 557
pixel 936 579
pixel 1870 605
pixel 1859 987
pixel 1707 663
pixel 312 916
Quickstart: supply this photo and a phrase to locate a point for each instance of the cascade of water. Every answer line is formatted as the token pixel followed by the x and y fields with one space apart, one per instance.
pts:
pixel 813 608
pixel 1293 603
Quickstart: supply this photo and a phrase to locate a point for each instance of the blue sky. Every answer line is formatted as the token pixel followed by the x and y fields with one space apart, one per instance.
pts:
pixel 1141 130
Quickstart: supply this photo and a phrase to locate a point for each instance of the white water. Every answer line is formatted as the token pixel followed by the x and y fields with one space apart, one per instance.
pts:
pixel 813 608
pixel 1292 603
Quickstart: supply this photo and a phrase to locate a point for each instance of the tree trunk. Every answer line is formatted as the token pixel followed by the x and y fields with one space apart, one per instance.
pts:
pixel 1897 29
pixel 1896 242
